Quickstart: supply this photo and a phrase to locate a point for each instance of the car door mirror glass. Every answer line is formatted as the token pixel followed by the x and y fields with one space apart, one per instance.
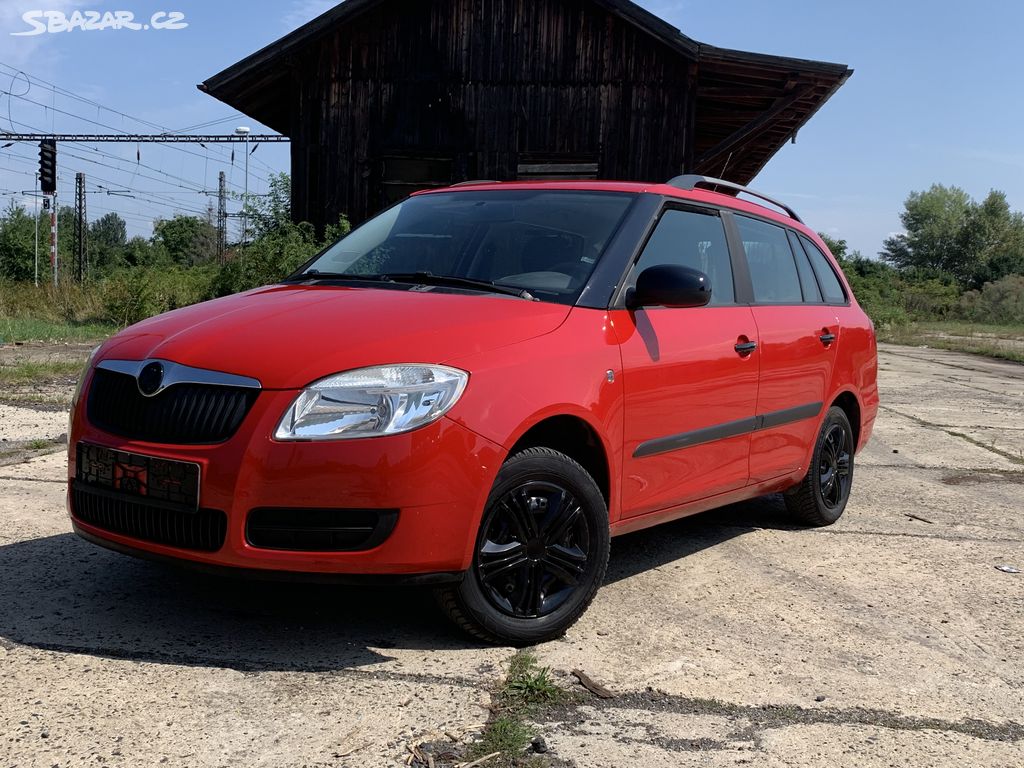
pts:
pixel 670 285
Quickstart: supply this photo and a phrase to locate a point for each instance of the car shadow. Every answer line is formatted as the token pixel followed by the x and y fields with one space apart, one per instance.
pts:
pixel 61 593
pixel 651 548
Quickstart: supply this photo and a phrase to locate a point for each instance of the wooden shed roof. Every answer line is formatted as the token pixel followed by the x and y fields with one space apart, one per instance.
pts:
pixel 748 104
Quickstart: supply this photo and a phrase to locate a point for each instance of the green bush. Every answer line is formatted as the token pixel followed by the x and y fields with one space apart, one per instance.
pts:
pixel 272 257
pixel 929 299
pixel 998 303
pixel 128 297
pixel 68 302
pixel 132 295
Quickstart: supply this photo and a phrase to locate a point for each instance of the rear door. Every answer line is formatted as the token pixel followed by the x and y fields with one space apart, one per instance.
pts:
pixel 689 394
pixel 798 337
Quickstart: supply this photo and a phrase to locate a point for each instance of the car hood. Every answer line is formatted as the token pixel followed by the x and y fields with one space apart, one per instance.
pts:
pixel 288 336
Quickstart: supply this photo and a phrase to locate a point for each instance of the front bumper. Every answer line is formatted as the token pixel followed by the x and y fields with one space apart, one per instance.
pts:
pixel 437 477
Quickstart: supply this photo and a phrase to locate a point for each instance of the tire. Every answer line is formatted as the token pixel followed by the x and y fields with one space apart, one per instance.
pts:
pixel 821 497
pixel 540 555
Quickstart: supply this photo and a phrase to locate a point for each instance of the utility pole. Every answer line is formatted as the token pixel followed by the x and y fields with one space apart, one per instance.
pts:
pixel 244 132
pixel 37 231
pixel 222 216
pixel 81 229
pixel 53 236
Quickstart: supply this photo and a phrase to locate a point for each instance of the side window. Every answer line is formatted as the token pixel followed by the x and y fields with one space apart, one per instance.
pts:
pixel 830 285
pixel 808 283
pixel 695 240
pixel 772 267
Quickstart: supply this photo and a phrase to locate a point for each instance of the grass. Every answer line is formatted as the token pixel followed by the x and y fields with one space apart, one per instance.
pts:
pixel 526 687
pixel 529 685
pixel 1005 342
pixel 30 372
pixel 962 328
pixel 24 328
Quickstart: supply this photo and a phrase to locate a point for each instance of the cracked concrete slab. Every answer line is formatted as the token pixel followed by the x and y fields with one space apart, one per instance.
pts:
pixel 730 638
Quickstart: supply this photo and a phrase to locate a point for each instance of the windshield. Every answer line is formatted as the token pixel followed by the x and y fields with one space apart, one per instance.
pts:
pixel 546 242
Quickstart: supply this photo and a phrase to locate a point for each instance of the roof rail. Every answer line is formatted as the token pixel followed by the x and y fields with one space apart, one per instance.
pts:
pixel 690 182
pixel 474 182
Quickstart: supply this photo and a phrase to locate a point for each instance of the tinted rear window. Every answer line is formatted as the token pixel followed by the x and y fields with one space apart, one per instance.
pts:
pixel 808 282
pixel 772 268
pixel 830 285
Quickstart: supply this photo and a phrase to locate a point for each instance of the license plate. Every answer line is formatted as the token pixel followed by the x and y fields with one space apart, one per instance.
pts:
pixel 138 476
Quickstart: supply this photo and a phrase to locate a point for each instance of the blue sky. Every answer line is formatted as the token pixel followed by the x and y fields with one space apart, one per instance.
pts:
pixel 935 98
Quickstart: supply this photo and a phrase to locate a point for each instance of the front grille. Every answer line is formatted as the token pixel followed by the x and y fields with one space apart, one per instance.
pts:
pixel 184 414
pixel 203 530
pixel 320 530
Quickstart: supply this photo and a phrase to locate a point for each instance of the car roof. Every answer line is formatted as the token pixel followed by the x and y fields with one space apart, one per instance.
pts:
pixel 697 195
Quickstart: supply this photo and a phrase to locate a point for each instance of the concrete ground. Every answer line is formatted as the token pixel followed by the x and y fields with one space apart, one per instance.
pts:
pixel 731 638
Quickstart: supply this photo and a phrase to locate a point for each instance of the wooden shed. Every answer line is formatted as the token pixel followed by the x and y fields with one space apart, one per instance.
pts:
pixel 383 97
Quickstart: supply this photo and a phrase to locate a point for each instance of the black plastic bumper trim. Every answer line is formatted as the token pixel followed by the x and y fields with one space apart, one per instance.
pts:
pixel 286 529
pixel 261 574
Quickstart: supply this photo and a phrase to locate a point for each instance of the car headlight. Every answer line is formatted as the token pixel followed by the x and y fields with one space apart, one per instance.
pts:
pixel 372 402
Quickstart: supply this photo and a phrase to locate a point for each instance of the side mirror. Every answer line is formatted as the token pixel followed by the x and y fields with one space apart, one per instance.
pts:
pixel 670 285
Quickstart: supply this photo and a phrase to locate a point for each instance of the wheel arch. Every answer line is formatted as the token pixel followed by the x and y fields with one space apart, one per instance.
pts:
pixel 578 439
pixel 850 405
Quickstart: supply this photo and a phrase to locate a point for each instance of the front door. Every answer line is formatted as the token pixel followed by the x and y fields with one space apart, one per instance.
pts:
pixel 690 395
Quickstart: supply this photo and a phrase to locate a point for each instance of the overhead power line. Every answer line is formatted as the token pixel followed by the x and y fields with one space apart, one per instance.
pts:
pixel 52 108
pixel 143 138
pixel 155 140
pixel 216 148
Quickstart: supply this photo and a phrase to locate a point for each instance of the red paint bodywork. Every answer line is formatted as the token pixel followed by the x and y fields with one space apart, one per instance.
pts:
pixel 674 371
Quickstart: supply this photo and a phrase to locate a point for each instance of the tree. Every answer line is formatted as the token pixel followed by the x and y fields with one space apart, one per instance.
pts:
pixel 996 234
pixel 949 233
pixel 17 243
pixel 839 248
pixel 108 236
pixel 934 223
pixel 272 212
pixel 187 240
pixel 141 252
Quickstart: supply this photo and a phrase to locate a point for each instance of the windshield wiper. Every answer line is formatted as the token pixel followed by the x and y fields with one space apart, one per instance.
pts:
pixel 418 278
pixel 428 278
pixel 316 274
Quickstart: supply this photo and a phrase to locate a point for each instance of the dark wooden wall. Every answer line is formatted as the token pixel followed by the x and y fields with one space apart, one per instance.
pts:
pixel 481 85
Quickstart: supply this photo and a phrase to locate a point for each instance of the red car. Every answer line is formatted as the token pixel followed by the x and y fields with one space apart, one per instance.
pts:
pixel 477 388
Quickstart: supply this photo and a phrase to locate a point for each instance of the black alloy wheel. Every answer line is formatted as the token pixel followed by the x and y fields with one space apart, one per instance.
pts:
pixel 541 552
pixel 821 497
pixel 534 549
pixel 834 465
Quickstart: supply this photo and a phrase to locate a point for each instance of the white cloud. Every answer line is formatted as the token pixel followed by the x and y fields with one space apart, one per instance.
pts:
pixel 302 11
pixel 19 51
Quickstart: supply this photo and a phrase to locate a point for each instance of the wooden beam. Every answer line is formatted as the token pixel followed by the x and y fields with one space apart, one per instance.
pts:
pixel 750 129
pixel 690 129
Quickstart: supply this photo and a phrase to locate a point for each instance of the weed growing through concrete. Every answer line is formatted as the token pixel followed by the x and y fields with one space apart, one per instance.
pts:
pixel 526 688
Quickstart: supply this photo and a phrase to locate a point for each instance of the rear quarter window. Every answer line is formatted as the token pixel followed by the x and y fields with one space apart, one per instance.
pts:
pixel 831 288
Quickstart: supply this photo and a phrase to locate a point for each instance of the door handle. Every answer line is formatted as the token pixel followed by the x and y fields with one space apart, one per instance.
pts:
pixel 746 348
pixel 827 338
